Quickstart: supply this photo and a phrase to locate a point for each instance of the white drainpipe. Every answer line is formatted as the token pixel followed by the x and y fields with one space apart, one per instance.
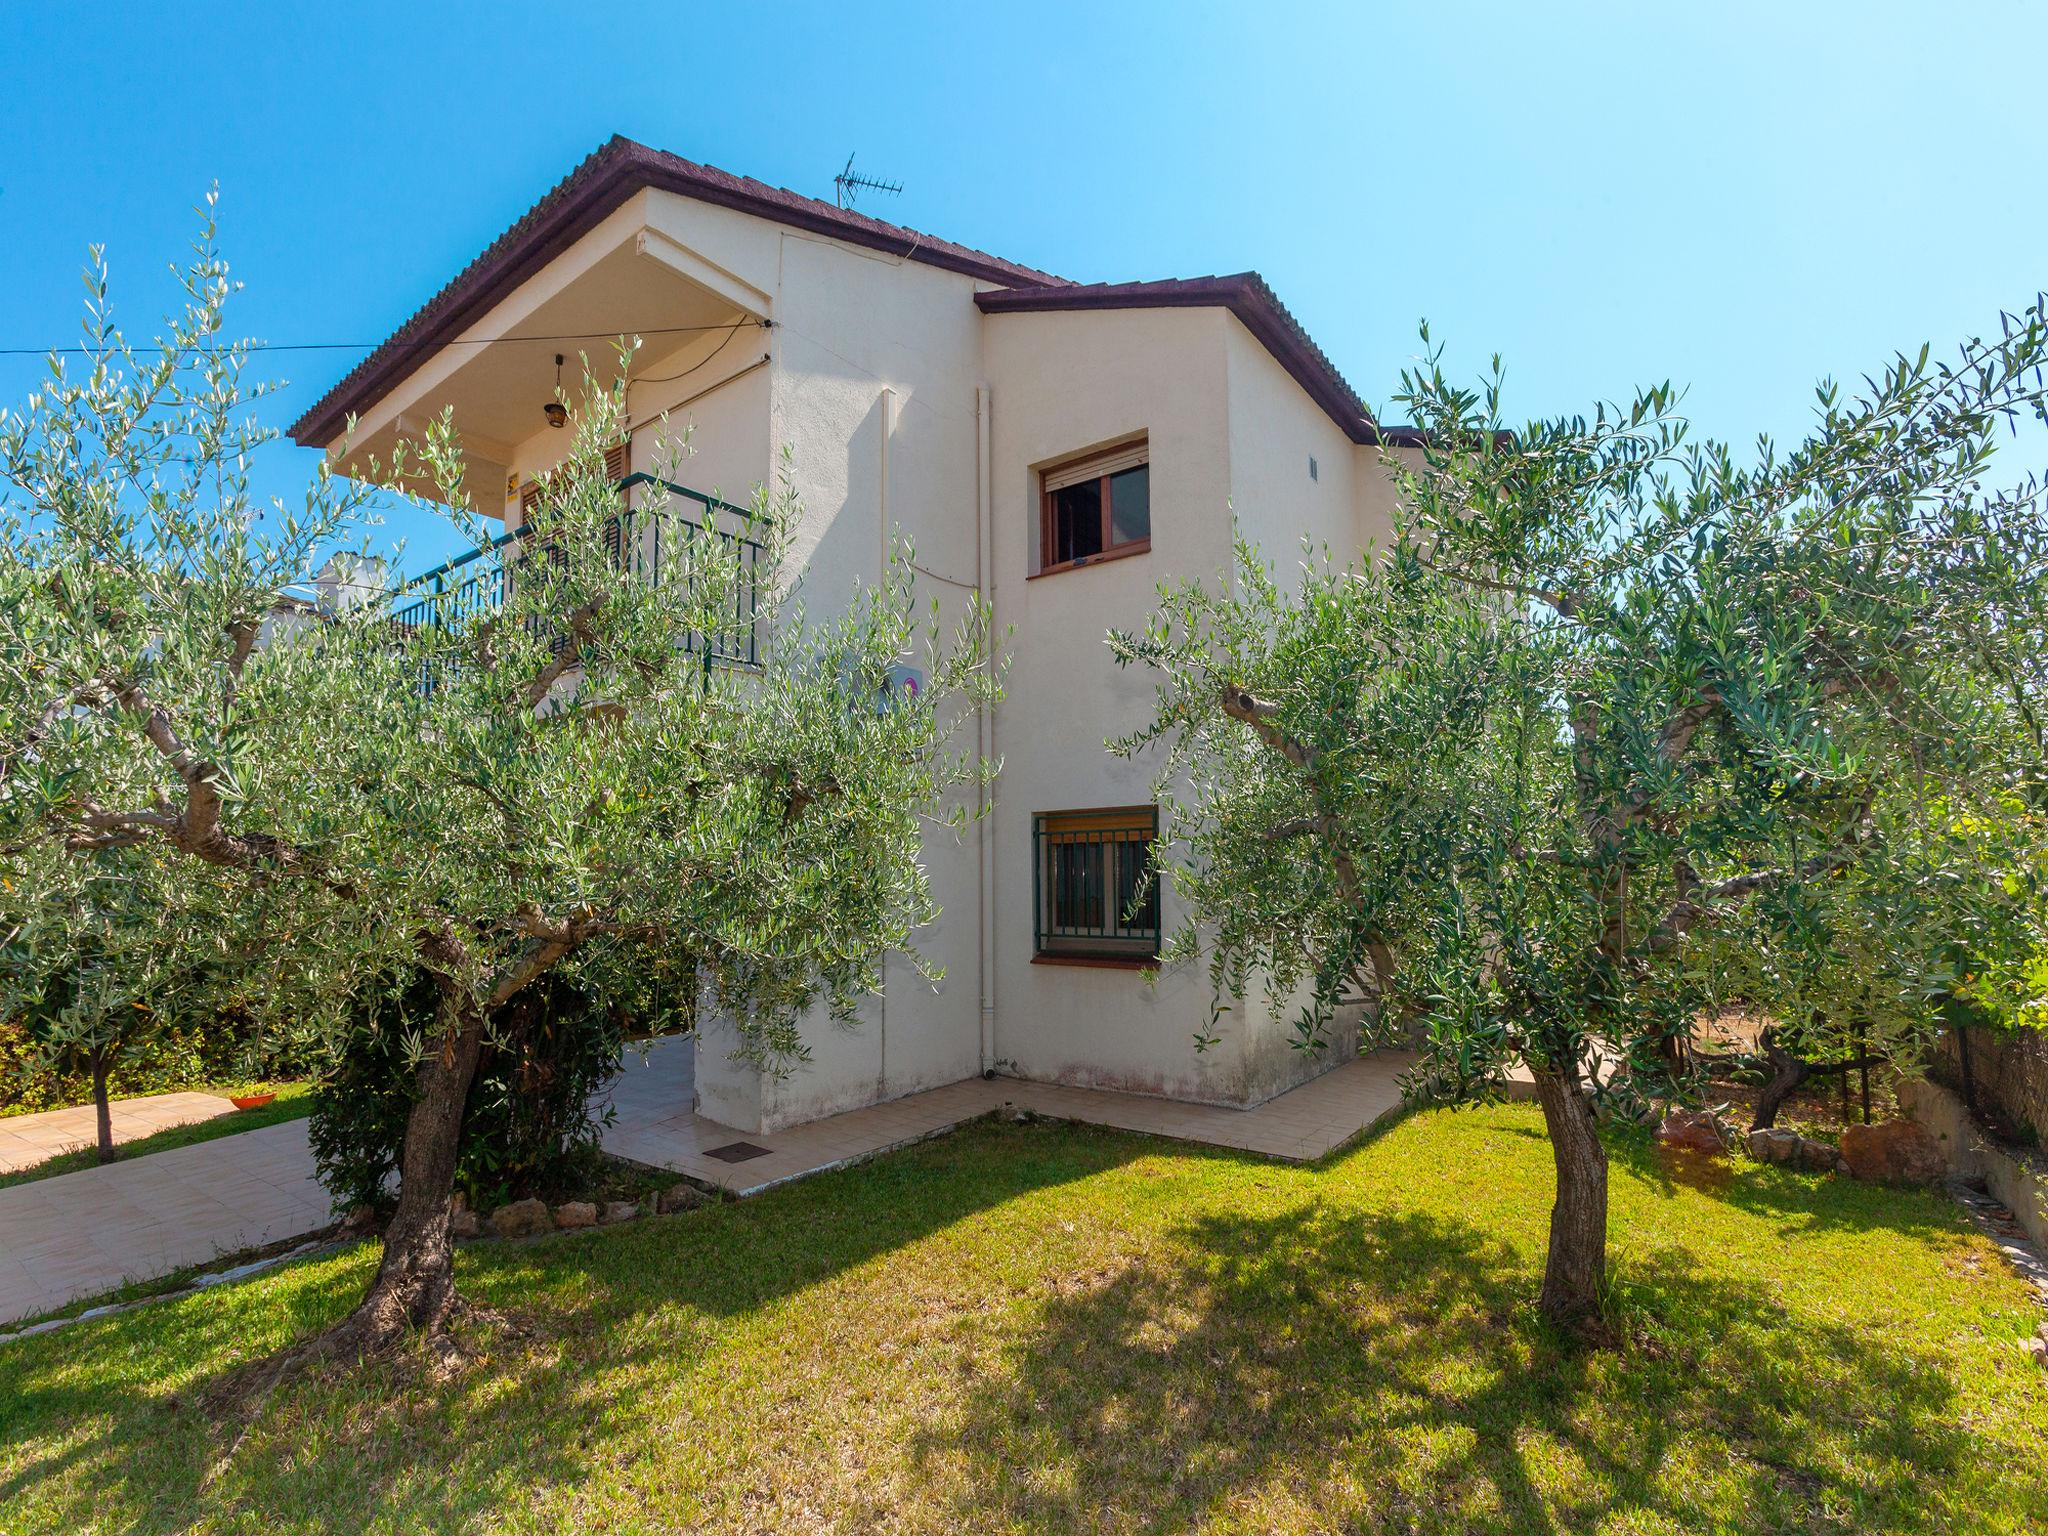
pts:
pixel 986 840
pixel 888 415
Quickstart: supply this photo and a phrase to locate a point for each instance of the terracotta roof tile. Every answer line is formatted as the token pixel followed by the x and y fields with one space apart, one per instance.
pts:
pixel 1246 295
pixel 620 167
pixel 606 178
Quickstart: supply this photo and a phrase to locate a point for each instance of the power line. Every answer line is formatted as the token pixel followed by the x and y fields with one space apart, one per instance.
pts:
pixel 371 346
pixel 696 367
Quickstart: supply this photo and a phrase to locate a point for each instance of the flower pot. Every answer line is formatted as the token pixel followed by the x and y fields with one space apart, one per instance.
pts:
pixel 250 1100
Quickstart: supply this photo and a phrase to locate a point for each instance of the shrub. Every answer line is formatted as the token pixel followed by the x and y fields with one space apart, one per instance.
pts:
pixel 528 1128
pixel 179 1057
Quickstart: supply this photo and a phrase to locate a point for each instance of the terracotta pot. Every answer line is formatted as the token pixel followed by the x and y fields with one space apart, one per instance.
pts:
pixel 250 1100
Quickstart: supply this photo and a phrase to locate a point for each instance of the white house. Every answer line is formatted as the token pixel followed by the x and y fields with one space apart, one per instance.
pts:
pixel 1060 448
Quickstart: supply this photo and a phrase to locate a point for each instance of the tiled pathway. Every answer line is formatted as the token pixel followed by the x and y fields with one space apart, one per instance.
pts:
pixel 86 1233
pixel 26 1140
pixel 656 1125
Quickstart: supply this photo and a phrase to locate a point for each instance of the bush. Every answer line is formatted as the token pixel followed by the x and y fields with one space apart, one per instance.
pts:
pixel 174 1059
pixel 528 1128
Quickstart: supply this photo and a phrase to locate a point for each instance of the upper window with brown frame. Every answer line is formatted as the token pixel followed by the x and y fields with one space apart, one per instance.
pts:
pixel 1095 508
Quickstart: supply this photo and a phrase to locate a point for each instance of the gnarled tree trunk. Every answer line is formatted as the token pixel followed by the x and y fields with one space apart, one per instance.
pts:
pixel 415 1284
pixel 1575 1271
pixel 1787 1073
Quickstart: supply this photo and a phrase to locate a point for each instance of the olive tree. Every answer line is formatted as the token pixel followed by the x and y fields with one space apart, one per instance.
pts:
pixel 604 770
pixel 101 953
pixel 1613 708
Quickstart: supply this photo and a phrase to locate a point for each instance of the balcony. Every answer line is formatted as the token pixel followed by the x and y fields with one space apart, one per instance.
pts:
pixel 642 539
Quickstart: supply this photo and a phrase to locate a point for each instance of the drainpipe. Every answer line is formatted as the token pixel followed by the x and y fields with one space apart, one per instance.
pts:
pixel 985 841
pixel 888 418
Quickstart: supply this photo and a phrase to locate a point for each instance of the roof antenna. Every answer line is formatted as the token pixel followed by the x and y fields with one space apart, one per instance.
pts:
pixel 851 186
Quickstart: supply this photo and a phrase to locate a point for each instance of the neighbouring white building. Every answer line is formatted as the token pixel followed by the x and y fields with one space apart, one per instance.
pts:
pixel 1059 447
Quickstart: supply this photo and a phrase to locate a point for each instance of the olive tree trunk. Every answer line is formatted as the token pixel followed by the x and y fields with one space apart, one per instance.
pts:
pixel 103 1111
pixel 415 1284
pixel 1575 1272
pixel 1787 1073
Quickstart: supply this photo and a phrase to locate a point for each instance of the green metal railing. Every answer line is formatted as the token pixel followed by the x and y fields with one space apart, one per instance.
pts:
pixel 640 539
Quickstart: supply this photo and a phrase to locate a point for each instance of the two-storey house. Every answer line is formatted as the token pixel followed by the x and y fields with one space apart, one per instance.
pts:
pixel 1059 448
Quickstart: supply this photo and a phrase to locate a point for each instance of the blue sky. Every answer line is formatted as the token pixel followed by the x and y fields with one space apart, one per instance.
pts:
pixel 1737 197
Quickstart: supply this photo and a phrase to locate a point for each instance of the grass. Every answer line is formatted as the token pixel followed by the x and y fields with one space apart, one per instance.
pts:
pixel 1051 1329
pixel 293 1102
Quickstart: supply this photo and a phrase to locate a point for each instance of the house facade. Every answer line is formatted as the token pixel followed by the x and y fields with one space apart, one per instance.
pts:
pixel 1059 448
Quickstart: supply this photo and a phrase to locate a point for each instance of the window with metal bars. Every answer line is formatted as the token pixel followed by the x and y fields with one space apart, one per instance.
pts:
pixel 1094 897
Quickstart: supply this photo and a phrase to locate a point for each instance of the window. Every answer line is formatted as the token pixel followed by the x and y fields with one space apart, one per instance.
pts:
pixel 1096 508
pixel 618 459
pixel 1095 901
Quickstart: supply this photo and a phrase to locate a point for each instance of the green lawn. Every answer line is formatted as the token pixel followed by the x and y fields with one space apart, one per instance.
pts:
pixel 294 1101
pixel 1051 1329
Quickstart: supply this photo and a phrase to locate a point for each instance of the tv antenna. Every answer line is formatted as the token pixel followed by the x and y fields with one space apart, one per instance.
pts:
pixel 851 186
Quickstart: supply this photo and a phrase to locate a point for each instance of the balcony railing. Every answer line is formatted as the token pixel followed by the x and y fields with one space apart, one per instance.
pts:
pixel 643 540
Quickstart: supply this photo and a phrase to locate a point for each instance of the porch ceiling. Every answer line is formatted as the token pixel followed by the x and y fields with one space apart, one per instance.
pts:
pixel 498 376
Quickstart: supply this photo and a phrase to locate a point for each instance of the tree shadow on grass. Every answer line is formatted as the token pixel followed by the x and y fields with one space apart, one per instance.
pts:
pixel 1328 1369
pixel 605 1310
pixel 1798 1202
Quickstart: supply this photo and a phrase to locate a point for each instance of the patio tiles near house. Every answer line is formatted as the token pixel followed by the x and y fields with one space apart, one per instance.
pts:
pixel 26 1140
pixel 656 1124
pixel 86 1233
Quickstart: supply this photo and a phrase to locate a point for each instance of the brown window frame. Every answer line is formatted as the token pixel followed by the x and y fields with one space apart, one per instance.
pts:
pixel 1116 461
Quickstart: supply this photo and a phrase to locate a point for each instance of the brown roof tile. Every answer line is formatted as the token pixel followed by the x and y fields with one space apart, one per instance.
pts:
pixel 620 167
pixel 1247 296
pixel 605 179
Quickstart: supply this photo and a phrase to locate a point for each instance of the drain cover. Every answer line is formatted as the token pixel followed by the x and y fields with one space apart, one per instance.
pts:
pixel 738 1152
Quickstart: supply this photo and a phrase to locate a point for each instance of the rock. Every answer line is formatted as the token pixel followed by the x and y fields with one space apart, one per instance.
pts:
pixel 522 1218
pixel 1693 1129
pixel 1773 1145
pixel 361 1218
pixel 462 1224
pixel 1819 1156
pixel 571 1214
pixel 1893 1151
pixel 680 1197
pixel 2037 1347
pixel 619 1210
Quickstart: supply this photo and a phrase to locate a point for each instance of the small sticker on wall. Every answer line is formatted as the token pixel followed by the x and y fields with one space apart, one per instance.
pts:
pixel 905 682
pixel 1312 466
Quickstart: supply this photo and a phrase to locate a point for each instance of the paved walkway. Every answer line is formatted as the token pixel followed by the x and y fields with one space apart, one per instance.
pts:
pixel 87 1233
pixel 93 1231
pixel 26 1140
pixel 656 1125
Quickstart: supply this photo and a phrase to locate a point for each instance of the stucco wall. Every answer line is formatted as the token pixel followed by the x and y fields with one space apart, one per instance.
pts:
pixel 872 391
pixel 1061 384
pixel 1339 512
pixel 870 381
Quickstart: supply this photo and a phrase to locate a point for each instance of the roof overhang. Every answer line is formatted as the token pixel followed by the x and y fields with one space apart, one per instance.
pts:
pixel 1247 296
pixel 579 204
pixel 497 372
